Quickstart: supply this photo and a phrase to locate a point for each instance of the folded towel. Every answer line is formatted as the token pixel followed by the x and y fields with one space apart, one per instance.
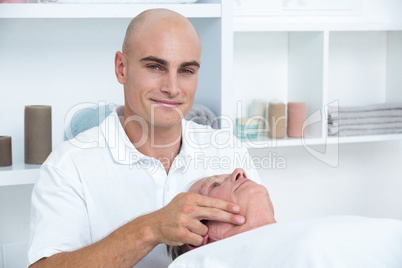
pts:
pixel 362 121
pixel 362 132
pixel 202 115
pixel 366 114
pixel 367 108
pixel 335 128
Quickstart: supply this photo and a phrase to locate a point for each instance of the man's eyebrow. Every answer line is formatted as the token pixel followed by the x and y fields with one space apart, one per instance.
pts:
pixel 204 183
pixel 164 62
pixel 190 63
pixel 152 58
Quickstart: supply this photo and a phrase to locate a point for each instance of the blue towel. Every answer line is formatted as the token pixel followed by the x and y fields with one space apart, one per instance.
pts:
pixel 87 118
pixel 93 115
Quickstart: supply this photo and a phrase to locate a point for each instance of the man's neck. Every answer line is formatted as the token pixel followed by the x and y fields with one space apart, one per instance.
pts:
pixel 162 143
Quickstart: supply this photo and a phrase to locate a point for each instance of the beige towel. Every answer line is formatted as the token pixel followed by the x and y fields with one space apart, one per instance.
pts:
pixel 276 120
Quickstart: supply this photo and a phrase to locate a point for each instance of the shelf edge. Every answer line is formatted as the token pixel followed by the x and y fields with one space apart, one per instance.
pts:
pixel 76 11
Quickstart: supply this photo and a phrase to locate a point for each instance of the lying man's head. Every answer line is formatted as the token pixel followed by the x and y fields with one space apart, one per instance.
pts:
pixel 253 199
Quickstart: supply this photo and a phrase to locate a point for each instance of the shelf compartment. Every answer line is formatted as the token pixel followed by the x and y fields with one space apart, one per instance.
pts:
pixel 357 68
pixel 279 65
pixel 203 10
pixel 364 67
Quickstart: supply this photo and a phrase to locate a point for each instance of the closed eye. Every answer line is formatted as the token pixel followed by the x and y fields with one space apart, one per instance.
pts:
pixel 214 185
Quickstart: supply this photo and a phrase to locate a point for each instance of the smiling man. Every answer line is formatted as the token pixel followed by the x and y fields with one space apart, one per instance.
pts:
pixel 116 203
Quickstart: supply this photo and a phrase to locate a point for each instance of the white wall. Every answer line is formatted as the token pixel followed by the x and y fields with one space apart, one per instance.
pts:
pixel 367 182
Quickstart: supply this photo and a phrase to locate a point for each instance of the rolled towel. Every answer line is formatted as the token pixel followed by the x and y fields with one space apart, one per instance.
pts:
pixel 258 109
pixel 5 151
pixel 88 117
pixel 276 120
pixel 296 117
pixel 202 115
pixel 38 133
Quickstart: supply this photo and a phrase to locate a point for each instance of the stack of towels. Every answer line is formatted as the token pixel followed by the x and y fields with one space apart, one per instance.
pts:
pixel 375 119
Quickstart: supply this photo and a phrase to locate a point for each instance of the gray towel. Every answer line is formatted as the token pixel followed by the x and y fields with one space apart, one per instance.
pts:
pixel 366 108
pixel 335 128
pixel 368 111
pixel 374 114
pixel 202 115
pixel 385 118
pixel 365 132
pixel 362 121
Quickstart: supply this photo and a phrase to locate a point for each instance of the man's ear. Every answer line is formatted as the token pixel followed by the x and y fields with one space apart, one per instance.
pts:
pixel 120 67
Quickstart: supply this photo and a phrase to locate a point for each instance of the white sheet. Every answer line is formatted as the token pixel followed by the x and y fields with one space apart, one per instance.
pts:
pixel 334 241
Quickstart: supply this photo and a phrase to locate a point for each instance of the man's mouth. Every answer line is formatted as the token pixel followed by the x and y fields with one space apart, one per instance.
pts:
pixel 167 103
pixel 246 180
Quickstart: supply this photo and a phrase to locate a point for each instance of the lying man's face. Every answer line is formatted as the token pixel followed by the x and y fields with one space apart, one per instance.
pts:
pixel 253 198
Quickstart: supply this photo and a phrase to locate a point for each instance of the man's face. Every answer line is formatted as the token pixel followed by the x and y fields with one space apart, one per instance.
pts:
pixel 162 72
pixel 253 198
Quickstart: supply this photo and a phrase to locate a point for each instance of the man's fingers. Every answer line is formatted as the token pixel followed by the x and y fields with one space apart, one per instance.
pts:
pixel 206 201
pixel 198 228
pixel 194 239
pixel 216 210
pixel 214 214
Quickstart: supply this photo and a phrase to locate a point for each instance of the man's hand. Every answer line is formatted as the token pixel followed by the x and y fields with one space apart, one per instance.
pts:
pixel 180 223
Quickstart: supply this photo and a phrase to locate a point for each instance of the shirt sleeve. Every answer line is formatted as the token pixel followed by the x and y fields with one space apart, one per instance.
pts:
pixel 59 219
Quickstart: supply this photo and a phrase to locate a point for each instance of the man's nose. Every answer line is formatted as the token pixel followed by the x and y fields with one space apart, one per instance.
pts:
pixel 238 173
pixel 170 84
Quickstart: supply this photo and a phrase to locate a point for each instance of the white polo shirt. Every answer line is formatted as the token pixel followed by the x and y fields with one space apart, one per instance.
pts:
pixel 97 182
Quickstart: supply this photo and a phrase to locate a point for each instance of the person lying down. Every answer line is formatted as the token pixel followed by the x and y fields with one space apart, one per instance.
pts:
pixel 342 241
pixel 253 199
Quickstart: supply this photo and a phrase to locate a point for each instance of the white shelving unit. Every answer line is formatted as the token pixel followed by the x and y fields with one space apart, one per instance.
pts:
pixel 55 54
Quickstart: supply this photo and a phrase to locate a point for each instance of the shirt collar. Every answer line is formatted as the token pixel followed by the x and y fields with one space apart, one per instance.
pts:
pixel 120 146
pixel 124 152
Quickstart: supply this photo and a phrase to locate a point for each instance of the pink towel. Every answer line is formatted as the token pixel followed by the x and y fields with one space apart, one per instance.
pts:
pixel 296 117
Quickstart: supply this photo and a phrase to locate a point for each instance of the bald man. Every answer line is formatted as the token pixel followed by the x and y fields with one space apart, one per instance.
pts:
pixel 115 203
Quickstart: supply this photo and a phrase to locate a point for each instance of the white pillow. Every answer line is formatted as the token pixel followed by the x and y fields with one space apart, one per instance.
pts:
pixel 334 241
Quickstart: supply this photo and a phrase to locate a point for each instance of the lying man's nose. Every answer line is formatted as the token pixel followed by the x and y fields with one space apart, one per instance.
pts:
pixel 238 173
